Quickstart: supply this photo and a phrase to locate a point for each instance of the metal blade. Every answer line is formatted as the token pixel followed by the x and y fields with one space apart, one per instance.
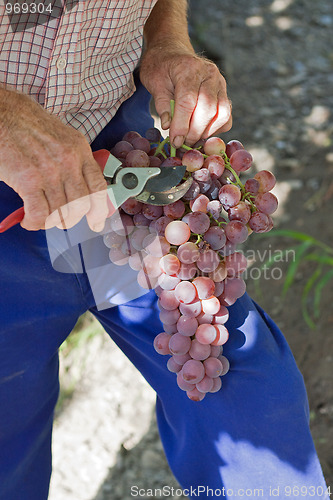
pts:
pixel 166 197
pixel 167 179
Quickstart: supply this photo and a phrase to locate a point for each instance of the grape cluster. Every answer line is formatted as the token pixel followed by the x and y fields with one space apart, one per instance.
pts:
pixel 187 251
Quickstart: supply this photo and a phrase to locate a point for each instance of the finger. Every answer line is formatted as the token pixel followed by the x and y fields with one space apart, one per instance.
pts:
pixel 36 210
pixel 186 96
pixel 96 183
pixel 205 111
pixel 56 199
pixel 78 202
pixel 162 100
pixel 222 121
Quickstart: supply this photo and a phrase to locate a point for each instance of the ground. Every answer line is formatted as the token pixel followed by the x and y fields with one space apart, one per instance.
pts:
pixel 277 57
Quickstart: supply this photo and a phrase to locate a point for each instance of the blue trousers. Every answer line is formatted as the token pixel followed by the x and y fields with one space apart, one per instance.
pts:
pixel 251 436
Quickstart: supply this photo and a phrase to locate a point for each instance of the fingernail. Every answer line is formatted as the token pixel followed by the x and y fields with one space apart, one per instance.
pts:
pixel 165 120
pixel 178 141
pixel 97 227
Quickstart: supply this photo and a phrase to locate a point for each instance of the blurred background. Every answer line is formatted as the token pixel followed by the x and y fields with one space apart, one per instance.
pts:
pixel 277 58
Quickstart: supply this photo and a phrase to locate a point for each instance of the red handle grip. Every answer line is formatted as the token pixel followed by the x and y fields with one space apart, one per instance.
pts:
pixel 101 156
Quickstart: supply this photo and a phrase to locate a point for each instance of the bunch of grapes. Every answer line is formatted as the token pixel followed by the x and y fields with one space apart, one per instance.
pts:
pixel 187 251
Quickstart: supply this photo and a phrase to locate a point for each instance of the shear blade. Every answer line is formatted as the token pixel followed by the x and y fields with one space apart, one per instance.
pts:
pixel 165 197
pixel 168 178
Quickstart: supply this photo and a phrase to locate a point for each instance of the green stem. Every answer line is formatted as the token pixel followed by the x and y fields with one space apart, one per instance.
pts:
pixel 172 112
pixel 160 147
pixel 188 148
pixel 229 167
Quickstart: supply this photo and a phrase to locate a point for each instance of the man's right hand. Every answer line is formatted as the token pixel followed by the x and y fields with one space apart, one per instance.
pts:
pixel 50 165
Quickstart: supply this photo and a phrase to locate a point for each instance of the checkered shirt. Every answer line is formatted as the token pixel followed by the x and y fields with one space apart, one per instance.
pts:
pixel 79 63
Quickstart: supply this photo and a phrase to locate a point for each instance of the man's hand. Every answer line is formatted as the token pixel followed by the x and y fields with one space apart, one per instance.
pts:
pixel 170 69
pixel 202 107
pixel 50 165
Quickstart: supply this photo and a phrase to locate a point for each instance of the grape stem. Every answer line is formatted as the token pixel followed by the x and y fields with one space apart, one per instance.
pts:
pixel 172 112
pixel 160 147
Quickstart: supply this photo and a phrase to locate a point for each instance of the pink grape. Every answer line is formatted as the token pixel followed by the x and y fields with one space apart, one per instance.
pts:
pixel 146 281
pixel 156 245
pixel 177 232
pixel 241 212
pixel 234 287
pixel 193 160
pixel 171 161
pixel 175 210
pixel 153 134
pixel 168 282
pixel 121 224
pixel 199 204
pixel 195 395
pixel 158 226
pixel 170 328
pixel 236 232
pixel 137 158
pixel 205 318
pixel 179 344
pixel 117 257
pixel 170 264
pixel 192 192
pixel 205 287
pixel 199 351
pixel 140 220
pixel 141 143
pixel 112 240
pixel 219 287
pixel 225 364
pixel 214 146
pixel 215 237
pixel 216 350
pixel 211 305
pixel 152 212
pixel 169 317
pixel 233 146
pixel 217 384
pixel 205 334
pixel 181 359
pixel 266 203
pixel 215 165
pixel 229 196
pixel 154 161
pixel 205 385
pixel 221 316
pixel 131 206
pixel 137 237
pixel 121 149
pixel 213 367
pixel 222 334
pixel 168 300
pixel 192 310
pixel 227 177
pixel 241 160
pixel 259 222
pixel 266 180
pixel 188 253
pixel 135 262
pixel 219 274
pixel 208 261
pixel 203 178
pixel 185 292
pixel 131 135
pixel 252 186
pixel 161 343
pixel 193 371
pixel 187 271
pixel 198 222
pixel 187 326
pixel 182 384
pixel 235 264
pixel 214 207
pixel 172 366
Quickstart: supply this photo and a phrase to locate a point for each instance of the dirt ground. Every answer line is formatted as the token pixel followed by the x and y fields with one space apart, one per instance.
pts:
pixel 277 57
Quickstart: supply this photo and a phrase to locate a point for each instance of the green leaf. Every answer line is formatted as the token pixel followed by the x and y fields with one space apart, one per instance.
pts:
pixel 324 259
pixel 292 269
pixel 297 236
pixel 317 293
pixel 306 291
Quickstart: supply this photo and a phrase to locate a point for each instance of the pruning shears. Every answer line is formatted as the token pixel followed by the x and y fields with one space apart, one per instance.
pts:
pixel 150 185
